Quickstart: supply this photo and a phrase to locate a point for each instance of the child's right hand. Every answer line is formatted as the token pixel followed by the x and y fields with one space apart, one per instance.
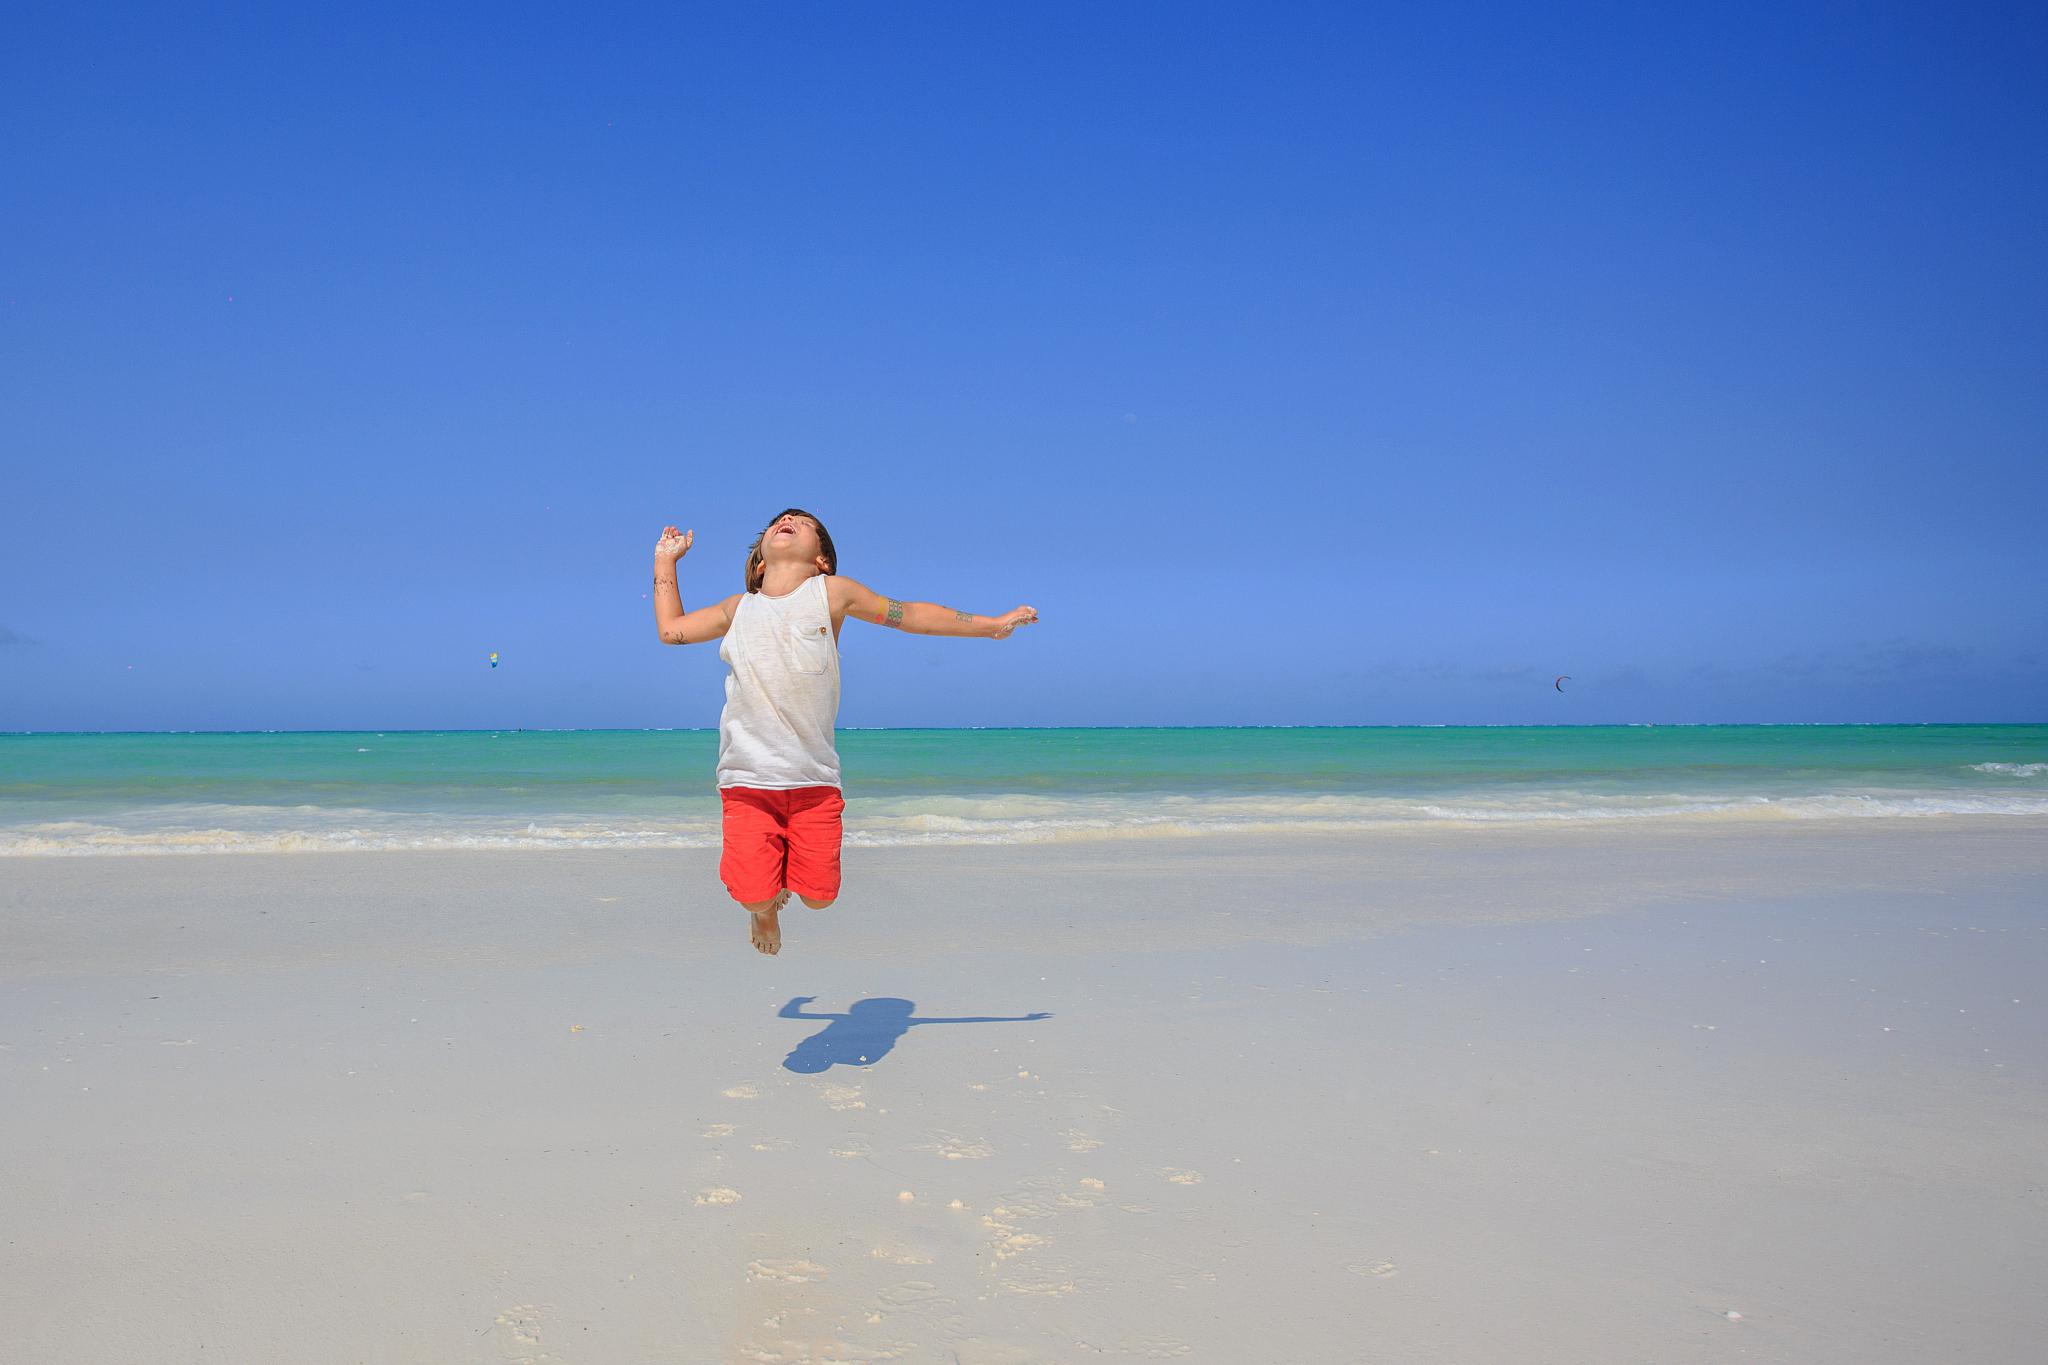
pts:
pixel 673 544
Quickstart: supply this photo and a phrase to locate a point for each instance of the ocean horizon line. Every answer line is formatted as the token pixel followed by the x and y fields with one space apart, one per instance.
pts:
pixel 973 729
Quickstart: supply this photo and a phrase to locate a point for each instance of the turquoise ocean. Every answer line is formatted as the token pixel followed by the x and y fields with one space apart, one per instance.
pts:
pixel 104 794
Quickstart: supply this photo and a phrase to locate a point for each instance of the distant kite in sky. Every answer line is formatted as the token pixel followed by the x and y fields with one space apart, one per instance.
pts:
pixel 1562 679
pixel 494 658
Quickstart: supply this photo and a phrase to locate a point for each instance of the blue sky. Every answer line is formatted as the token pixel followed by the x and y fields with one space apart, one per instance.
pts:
pixel 1309 363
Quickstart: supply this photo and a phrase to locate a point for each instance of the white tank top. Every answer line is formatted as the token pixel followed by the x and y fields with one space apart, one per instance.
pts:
pixel 782 696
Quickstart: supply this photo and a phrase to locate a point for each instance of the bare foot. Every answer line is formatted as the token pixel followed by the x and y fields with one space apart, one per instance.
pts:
pixel 767 929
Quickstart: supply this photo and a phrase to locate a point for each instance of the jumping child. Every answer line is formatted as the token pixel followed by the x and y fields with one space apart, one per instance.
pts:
pixel 778 772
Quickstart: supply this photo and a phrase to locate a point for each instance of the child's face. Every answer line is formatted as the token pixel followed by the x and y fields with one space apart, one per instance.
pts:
pixel 791 537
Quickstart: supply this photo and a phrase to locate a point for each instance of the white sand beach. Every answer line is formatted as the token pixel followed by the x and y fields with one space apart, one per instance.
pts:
pixel 1659 1091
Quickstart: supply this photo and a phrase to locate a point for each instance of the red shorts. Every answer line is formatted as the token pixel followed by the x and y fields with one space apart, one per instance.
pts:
pixel 775 839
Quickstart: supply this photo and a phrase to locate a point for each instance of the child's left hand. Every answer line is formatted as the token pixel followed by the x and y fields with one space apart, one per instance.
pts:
pixel 1009 621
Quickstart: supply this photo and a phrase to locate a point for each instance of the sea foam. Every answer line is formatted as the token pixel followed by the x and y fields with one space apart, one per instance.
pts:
pixel 883 822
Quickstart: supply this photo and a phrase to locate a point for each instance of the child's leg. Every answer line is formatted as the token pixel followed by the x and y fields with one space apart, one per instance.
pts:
pixel 753 864
pixel 765 931
pixel 814 840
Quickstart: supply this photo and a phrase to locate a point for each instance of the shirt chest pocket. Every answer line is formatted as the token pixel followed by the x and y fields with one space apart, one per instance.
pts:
pixel 810 646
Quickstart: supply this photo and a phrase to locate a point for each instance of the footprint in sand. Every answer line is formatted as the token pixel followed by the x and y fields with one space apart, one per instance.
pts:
pixel 1167 1349
pixel 955 1148
pixel 1036 1285
pixel 1016 1244
pixel 810 1350
pixel 718 1194
pixel 912 1294
pixel 1078 1141
pixel 788 1272
pixel 720 1130
pixel 900 1256
pixel 773 1145
pixel 742 1092
pixel 1379 1270
pixel 1182 1177
pixel 843 1097
pixel 1005 1239
pixel 520 1326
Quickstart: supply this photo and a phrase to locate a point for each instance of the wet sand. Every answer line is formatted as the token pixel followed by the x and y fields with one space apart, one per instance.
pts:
pixel 1661 1091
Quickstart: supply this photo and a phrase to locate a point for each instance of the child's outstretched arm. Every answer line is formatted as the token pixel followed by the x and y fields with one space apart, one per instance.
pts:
pixel 921 618
pixel 674 625
pixel 986 1019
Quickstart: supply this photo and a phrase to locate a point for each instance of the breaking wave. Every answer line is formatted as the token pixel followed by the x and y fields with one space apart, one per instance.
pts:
pixel 882 822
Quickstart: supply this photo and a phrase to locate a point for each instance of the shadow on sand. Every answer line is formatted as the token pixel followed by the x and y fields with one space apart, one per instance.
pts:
pixel 864 1034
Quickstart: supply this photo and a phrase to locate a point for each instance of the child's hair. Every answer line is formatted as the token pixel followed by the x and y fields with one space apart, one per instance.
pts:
pixel 757 568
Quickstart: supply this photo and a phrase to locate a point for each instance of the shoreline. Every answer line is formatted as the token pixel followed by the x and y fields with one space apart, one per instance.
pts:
pixel 1164 823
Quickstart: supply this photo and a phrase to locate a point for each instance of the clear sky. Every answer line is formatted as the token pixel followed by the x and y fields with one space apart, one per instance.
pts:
pixel 1301 363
